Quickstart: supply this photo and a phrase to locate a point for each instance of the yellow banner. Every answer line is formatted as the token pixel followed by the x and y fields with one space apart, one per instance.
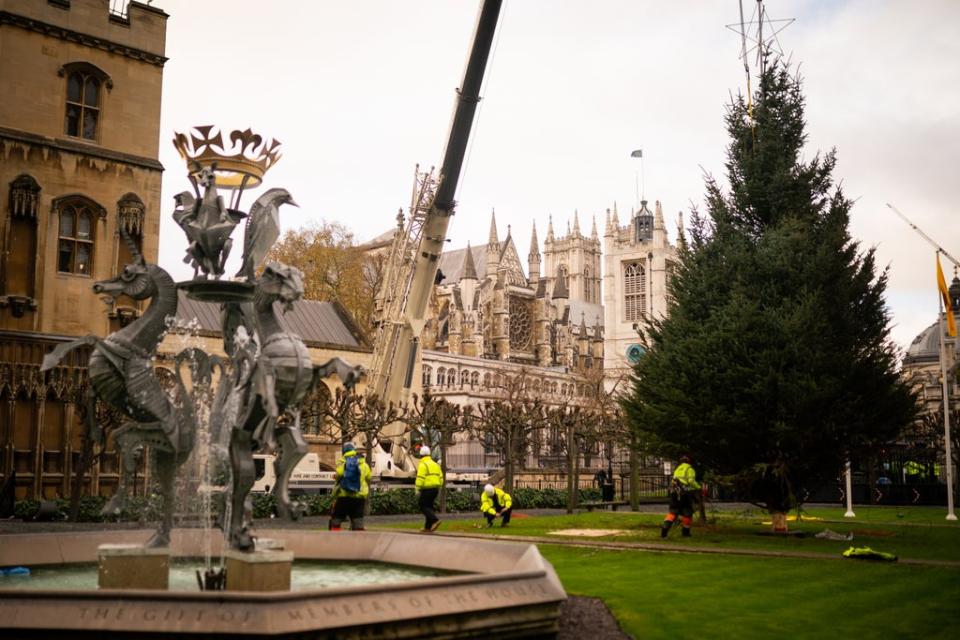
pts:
pixel 947 304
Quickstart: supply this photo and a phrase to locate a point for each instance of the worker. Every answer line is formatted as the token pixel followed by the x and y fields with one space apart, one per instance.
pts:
pixel 429 479
pixel 494 502
pixel 912 471
pixel 351 489
pixel 682 488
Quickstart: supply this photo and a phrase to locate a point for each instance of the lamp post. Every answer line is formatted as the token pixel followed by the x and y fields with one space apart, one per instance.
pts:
pixel 849 479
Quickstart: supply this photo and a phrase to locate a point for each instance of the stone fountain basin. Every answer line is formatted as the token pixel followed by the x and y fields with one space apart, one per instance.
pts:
pixel 510 591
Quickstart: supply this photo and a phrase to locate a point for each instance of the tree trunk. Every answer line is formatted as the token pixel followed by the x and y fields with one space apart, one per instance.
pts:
pixel 575 494
pixel 508 463
pixel 368 452
pixel 779 521
pixel 634 474
pixel 571 470
pixel 443 479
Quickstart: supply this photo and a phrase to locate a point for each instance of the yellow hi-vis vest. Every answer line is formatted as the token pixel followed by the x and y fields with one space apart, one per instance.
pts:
pixel 486 502
pixel 429 474
pixel 686 476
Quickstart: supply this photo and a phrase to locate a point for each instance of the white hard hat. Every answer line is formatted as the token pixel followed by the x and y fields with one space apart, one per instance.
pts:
pixel 488 490
pixel 424 450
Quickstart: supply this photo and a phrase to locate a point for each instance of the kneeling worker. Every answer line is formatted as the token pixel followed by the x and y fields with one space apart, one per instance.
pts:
pixel 496 502
pixel 350 493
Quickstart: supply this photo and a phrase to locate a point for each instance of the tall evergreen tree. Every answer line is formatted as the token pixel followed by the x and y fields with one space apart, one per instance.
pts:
pixel 774 363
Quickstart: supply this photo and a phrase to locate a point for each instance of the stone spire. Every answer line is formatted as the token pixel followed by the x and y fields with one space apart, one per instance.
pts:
pixel 469 270
pixel 493 247
pixel 493 239
pixel 576 223
pixel 533 258
pixel 616 220
pixel 593 230
pixel 659 228
pixel 609 228
pixel 550 229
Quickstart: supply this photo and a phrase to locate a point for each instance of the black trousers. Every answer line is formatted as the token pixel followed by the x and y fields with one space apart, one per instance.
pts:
pixel 505 514
pixel 681 503
pixel 428 498
pixel 352 508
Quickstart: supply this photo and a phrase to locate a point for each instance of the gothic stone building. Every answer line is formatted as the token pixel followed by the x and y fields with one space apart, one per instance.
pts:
pixel 637 263
pixel 491 322
pixel 79 134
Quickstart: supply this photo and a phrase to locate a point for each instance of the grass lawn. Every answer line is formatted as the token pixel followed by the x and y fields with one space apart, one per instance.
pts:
pixel 661 595
pixel 917 533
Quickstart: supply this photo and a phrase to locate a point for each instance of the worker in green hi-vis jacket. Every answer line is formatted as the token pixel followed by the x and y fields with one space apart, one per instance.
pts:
pixel 682 487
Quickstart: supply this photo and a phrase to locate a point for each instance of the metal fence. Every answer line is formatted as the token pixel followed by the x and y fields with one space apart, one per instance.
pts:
pixel 651 486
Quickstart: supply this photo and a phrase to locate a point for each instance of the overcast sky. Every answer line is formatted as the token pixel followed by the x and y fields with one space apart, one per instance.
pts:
pixel 359 92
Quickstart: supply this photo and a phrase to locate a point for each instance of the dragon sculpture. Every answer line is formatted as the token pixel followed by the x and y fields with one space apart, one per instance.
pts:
pixel 122 375
pixel 272 374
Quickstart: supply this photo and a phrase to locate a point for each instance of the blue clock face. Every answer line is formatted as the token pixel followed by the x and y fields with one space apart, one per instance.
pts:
pixel 634 353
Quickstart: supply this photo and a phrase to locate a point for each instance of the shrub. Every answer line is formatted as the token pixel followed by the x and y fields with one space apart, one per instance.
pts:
pixel 26 509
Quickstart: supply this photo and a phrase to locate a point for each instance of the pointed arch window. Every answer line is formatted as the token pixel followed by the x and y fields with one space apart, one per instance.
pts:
pixel 634 291
pixel 85 85
pixel 77 218
pixel 588 285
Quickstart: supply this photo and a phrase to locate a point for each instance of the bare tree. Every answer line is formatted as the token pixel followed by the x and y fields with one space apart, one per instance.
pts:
pixel 570 429
pixel 353 415
pixel 508 425
pixel 437 422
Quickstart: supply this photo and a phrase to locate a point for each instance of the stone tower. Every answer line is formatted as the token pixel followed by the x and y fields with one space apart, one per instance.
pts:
pixel 638 260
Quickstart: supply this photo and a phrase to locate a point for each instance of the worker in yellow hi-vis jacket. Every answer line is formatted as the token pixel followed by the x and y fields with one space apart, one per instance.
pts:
pixel 681 497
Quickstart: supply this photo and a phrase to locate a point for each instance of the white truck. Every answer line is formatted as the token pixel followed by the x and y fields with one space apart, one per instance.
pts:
pixel 307 478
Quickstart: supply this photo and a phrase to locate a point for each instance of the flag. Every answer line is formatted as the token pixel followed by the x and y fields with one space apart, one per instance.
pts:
pixel 947 304
pixel 637 154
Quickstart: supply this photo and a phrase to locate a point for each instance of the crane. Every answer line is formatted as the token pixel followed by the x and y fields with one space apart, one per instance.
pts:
pixel 930 240
pixel 415 252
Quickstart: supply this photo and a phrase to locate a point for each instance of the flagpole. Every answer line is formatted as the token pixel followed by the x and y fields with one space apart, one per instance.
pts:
pixel 948 445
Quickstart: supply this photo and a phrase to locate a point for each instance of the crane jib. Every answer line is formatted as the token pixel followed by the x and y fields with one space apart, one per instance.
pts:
pixel 467 99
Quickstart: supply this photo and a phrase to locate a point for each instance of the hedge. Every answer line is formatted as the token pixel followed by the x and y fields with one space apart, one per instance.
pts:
pixel 382 503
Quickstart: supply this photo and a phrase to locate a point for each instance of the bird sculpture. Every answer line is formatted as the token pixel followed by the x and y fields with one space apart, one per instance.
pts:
pixel 208 225
pixel 262 230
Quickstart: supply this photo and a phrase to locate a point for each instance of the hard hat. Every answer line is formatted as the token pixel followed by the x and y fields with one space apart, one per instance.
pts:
pixel 424 450
pixel 489 490
pixel 349 447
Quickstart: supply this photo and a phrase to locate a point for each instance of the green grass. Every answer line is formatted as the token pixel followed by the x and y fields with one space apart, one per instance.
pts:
pixel 659 595
pixel 920 534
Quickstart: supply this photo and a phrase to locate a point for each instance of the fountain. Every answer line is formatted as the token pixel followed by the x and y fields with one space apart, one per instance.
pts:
pixel 498 589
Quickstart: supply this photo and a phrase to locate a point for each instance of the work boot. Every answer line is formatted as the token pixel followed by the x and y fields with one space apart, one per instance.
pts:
pixel 686 532
pixel 665 528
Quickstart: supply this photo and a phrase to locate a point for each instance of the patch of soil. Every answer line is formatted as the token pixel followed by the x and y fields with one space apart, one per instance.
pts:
pixel 582 617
